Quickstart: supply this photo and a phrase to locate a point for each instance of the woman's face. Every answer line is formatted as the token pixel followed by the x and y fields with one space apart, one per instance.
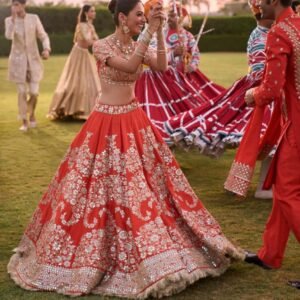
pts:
pixel 298 9
pixel 172 19
pixel 91 14
pixel 135 19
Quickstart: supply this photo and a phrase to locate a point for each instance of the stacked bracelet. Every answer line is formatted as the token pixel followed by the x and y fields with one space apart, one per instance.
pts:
pixel 146 37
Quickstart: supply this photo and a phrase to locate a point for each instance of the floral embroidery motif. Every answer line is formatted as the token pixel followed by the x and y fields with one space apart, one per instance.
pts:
pixel 116 109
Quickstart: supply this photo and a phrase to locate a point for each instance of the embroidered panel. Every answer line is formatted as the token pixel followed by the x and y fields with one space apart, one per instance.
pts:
pixel 293 34
pixel 239 178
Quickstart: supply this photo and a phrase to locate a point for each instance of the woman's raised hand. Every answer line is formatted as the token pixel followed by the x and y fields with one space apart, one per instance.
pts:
pixel 156 17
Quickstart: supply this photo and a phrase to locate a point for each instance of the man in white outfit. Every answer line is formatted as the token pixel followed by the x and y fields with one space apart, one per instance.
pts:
pixel 25 67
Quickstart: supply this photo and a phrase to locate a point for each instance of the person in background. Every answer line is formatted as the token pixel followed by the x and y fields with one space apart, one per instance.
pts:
pixel 164 95
pixel 184 54
pixel 24 65
pixel 79 84
pixel 223 121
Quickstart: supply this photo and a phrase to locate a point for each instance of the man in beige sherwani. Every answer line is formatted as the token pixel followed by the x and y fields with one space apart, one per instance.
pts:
pixel 25 67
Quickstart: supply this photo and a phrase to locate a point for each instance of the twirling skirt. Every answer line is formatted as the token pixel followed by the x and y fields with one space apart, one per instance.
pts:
pixel 163 95
pixel 77 88
pixel 218 124
pixel 119 217
pixel 204 85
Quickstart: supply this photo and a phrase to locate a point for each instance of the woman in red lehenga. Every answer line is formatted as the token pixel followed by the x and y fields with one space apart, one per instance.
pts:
pixel 163 95
pixel 119 217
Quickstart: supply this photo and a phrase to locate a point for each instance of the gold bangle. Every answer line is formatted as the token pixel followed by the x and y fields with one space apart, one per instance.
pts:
pixel 146 37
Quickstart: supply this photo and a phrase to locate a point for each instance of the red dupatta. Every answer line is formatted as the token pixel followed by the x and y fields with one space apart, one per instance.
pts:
pixel 253 148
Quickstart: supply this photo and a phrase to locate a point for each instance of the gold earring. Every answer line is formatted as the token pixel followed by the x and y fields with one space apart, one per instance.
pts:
pixel 125 28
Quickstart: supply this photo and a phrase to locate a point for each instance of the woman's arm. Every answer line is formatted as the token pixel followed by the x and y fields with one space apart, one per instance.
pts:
pixel 86 32
pixel 158 62
pixel 9 28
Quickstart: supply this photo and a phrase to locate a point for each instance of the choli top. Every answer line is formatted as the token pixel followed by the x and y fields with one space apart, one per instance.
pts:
pixel 107 48
pixel 85 31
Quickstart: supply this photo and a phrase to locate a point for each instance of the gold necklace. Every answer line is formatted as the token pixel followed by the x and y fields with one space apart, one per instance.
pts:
pixel 126 50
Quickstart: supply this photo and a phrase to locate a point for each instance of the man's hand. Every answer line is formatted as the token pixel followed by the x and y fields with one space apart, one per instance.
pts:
pixel 13 10
pixel 155 17
pixel 178 50
pixel 249 98
pixel 190 69
pixel 45 54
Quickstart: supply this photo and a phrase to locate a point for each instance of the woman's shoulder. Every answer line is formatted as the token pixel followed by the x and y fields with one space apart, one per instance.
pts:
pixel 103 44
pixel 82 25
pixel 106 41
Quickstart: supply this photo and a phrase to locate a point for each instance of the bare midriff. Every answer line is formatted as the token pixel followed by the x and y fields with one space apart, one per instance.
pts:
pixel 116 94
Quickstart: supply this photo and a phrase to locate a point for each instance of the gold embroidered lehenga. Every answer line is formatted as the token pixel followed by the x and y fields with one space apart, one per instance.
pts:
pixel 119 217
pixel 79 85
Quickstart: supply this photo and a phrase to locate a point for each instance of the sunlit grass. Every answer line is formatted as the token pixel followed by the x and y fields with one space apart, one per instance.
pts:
pixel 28 162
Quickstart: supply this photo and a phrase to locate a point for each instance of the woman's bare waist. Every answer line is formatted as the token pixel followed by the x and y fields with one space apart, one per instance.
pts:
pixel 115 99
pixel 116 95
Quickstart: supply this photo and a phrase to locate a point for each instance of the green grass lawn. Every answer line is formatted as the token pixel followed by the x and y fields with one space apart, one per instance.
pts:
pixel 28 162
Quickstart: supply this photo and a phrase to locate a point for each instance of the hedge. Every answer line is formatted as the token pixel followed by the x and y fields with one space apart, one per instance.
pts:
pixel 230 33
pixel 62 19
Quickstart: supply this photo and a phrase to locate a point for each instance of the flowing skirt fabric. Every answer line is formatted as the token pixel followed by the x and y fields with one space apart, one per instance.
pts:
pixel 119 217
pixel 163 95
pixel 219 123
pixel 78 87
pixel 204 85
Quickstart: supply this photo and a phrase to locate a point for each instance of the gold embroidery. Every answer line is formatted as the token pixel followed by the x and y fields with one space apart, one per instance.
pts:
pixel 116 109
pixel 293 34
pixel 239 178
pixel 120 221
pixel 106 48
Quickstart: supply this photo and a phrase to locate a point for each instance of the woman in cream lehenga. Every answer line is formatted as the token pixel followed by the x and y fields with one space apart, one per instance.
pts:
pixel 119 217
pixel 79 85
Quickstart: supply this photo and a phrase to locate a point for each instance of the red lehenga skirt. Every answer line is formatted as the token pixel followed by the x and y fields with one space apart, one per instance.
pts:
pixel 163 95
pixel 219 123
pixel 203 84
pixel 119 217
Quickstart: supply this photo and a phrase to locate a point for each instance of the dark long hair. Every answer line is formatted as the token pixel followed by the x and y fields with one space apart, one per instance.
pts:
pixel 286 3
pixel 121 6
pixel 295 4
pixel 81 16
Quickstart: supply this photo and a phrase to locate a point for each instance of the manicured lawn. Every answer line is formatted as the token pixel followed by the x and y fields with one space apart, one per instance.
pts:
pixel 28 162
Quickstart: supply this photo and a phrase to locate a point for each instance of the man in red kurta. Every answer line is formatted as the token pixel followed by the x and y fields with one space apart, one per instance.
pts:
pixel 281 81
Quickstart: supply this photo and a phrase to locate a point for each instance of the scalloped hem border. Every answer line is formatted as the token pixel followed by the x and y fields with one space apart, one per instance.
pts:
pixel 166 286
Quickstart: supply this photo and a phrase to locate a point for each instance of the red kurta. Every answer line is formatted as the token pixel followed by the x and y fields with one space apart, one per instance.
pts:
pixel 282 80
